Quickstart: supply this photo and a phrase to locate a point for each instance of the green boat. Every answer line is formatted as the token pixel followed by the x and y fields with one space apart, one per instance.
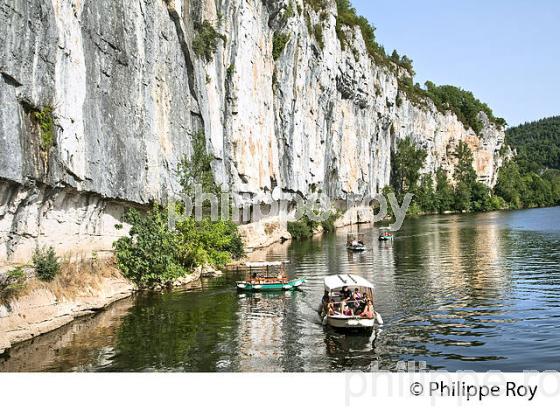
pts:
pixel 266 277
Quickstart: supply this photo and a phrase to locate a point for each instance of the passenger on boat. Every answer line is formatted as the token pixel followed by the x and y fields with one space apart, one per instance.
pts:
pixel 325 300
pixel 330 307
pixel 357 294
pixel 368 311
pixel 346 310
pixel 346 293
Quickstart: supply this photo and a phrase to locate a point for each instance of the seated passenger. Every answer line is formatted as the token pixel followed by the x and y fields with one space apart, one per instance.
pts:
pixel 357 294
pixel 346 293
pixel 330 307
pixel 347 310
pixel 368 311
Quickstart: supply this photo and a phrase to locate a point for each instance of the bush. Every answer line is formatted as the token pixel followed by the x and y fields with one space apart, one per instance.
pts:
pixel 205 42
pixel 154 254
pixel 12 284
pixel 151 253
pixel 279 42
pixel 328 224
pixel 303 228
pixel 46 263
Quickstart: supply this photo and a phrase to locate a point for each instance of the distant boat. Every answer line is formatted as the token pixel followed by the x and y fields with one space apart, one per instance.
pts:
pixel 356 243
pixel 336 318
pixel 267 277
pixel 386 236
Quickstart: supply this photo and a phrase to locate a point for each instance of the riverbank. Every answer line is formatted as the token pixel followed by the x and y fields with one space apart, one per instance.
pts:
pixel 88 285
pixel 82 287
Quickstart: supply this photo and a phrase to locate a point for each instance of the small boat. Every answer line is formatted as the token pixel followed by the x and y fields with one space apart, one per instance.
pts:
pixel 336 318
pixel 356 243
pixel 267 277
pixel 386 236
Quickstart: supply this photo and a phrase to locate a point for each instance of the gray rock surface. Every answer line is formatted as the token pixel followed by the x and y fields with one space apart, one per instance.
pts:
pixel 128 93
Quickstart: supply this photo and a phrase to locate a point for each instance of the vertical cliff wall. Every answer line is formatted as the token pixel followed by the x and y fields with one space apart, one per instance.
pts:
pixel 128 92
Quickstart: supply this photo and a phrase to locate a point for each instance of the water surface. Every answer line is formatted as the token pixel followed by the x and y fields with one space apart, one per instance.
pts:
pixel 459 292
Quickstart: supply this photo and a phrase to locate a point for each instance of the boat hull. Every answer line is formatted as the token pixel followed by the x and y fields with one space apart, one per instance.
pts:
pixel 270 287
pixel 350 323
pixel 357 248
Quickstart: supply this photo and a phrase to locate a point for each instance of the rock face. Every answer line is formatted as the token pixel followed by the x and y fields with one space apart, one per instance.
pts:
pixel 128 93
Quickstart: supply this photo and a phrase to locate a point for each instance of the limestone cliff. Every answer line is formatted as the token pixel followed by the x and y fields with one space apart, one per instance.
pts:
pixel 128 92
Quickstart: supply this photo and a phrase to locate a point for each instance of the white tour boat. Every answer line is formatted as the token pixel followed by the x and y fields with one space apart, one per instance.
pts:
pixel 344 313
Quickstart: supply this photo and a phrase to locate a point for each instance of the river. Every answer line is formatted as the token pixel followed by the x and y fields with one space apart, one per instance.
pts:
pixel 457 292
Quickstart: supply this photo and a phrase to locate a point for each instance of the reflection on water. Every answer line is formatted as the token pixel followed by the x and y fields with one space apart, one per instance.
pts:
pixel 457 292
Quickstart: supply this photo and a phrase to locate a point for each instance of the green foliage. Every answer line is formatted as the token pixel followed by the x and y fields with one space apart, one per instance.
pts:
pixel 287 13
pixel 45 120
pixel 303 228
pixel 329 223
pixel 425 195
pixel 462 103
pixel 444 195
pixel 12 284
pixel 154 254
pixel 347 16
pixel 510 185
pixel 151 253
pixel 197 169
pixel 230 71
pixel 318 32
pixel 537 144
pixel 205 42
pixel 403 62
pixel 407 161
pixel 464 171
pixel 46 264
pixel 279 42
pixel 317 5
pixel 532 178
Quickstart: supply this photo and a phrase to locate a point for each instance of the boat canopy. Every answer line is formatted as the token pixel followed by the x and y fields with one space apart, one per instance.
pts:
pixel 339 281
pixel 264 264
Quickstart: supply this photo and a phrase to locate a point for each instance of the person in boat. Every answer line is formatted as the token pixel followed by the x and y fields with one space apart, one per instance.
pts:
pixel 346 293
pixel 330 307
pixel 325 300
pixel 347 310
pixel 368 310
pixel 357 294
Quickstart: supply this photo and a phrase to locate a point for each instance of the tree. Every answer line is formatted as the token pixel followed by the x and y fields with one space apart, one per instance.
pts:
pixel 425 194
pixel 510 185
pixel 444 192
pixel 407 162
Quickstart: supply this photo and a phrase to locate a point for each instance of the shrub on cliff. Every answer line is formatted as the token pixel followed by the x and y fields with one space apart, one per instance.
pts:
pixel 205 42
pixel 11 284
pixel 279 42
pixel 46 264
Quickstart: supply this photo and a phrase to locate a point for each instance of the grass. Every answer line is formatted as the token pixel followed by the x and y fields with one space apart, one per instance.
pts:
pixel 78 276
pixel 45 119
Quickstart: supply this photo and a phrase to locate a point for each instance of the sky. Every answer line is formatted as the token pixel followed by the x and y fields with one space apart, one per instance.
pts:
pixel 507 52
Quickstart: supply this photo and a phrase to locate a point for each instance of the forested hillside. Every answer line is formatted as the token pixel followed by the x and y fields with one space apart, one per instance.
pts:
pixel 532 177
pixel 537 144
